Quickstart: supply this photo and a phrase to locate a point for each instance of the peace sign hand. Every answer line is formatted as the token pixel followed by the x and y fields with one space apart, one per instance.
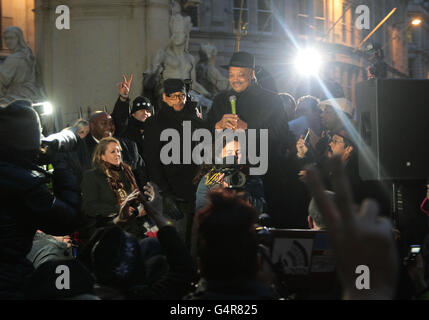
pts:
pixel 125 85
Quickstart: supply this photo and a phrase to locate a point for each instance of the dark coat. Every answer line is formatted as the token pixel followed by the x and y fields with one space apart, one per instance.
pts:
pixel 263 109
pixel 175 179
pixel 27 205
pixel 99 204
pixel 126 125
pixel 260 109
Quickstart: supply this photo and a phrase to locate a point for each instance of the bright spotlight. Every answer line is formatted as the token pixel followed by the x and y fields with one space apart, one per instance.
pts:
pixel 308 62
pixel 416 22
pixel 43 108
pixel 47 108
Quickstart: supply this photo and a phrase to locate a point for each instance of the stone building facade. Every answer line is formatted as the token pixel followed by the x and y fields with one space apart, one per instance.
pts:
pixel 418 40
pixel 277 27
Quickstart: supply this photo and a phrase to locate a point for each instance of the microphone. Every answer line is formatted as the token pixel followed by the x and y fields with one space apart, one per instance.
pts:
pixel 232 100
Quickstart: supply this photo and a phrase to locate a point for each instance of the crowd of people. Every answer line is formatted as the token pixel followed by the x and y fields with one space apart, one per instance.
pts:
pixel 128 225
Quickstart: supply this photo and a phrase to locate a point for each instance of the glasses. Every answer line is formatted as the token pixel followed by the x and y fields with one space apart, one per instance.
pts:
pixel 179 96
pixel 336 141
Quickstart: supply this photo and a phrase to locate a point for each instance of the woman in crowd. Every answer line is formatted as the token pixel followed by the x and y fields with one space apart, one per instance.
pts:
pixel 110 192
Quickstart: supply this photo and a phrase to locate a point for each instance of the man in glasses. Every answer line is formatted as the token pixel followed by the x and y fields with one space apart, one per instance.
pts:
pixel 174 180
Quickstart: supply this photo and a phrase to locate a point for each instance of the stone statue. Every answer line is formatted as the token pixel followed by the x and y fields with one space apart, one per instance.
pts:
pixel 174 61
pixel 207 73
pixel 18 75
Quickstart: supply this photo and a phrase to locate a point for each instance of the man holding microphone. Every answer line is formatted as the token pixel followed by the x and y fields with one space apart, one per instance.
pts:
pixel 248 106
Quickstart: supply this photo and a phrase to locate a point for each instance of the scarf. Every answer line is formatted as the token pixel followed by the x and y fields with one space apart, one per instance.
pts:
pixel 114 179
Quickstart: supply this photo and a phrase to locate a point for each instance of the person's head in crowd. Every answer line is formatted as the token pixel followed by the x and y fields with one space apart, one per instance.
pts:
pixel 315 217
pixel 175 94
pixel 289 105
pixel 232 149
pixel 142 109
pixel 65 279
pixel 308 106
pixel 227 247
pixel 241 71
pixel 341 145
pixel 101 125
pixel 107 150
pixel 82 127
pixel 20 130
pixel 335 112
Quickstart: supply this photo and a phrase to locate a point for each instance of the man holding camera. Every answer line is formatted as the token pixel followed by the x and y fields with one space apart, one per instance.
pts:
pixel 26 203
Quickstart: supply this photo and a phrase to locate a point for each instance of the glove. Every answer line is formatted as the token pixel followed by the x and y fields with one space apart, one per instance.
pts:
pixel 170 207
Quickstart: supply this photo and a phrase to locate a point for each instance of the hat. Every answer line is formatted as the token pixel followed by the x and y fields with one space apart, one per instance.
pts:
pixel 340 104
pixel 20 127
pixel 142 103
pixel 43 283
pixel 174 85
pixel 242 60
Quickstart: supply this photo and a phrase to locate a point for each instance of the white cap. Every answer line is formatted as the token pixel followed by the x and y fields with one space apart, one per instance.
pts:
pixel 338 103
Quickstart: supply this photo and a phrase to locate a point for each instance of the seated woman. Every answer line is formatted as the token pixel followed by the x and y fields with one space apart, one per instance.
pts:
pixel 110 192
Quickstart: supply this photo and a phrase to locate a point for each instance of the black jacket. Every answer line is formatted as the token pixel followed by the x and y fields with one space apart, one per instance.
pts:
pixel 126 125
pixel 175 179
pixel 99 204
pixel 263 109
pixel 27 205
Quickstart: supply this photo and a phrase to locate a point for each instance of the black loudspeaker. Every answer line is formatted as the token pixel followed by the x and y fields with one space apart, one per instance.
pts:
pixel 393 120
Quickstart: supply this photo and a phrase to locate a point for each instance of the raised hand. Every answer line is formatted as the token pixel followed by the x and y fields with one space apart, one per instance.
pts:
pixel 358 237
pixel 125 85
pixel 231 121
pixel 301 148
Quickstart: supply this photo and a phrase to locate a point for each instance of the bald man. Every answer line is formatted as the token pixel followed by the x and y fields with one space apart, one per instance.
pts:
pixel 101 125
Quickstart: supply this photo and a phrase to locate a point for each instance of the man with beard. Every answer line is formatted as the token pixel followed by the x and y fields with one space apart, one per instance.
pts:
pixel 342 145
pixel 257 108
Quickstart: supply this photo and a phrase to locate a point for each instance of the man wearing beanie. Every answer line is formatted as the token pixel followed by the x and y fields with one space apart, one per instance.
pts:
pixel 26 203
pixel 131 125
pixel 174 180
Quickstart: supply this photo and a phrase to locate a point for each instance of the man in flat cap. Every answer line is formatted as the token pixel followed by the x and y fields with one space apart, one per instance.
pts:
pixel 174 180
pixel 258 108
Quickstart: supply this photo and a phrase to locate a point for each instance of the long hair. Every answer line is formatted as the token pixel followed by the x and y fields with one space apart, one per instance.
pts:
pixel 101 150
